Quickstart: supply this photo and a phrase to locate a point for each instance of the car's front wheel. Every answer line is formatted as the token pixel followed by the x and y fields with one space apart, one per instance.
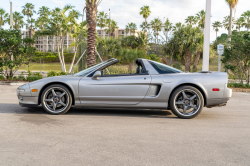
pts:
pixel 186 102
pixel 56 99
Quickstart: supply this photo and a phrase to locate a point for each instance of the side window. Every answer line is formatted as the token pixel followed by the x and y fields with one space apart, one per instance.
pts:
pixel 163 69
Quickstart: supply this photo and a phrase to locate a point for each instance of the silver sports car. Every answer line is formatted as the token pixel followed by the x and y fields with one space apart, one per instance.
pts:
pixel 153 86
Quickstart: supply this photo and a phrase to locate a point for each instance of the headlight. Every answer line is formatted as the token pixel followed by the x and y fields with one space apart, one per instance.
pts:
pixel 21 90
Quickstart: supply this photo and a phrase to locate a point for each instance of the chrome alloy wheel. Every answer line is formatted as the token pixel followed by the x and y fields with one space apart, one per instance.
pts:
pixel 56 99
pixel 187 102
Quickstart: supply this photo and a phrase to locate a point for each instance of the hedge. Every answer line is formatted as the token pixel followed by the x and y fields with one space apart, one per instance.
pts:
pixel 48 57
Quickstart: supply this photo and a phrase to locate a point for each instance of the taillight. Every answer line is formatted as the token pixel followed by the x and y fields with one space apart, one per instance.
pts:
pixel 216 89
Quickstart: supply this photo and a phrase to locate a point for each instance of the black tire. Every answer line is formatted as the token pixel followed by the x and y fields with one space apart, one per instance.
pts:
pixel 191 103
pixel 57 102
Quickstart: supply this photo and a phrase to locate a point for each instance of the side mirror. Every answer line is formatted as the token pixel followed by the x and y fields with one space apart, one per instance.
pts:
pixel 96 75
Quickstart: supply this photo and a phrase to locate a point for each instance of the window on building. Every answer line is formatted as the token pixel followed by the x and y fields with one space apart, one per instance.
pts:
pixel 123 32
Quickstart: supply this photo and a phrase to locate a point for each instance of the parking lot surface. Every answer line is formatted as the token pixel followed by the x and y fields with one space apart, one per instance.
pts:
pixel 29 136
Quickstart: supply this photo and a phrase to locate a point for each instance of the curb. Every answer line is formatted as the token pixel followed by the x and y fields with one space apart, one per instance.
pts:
pixel 12 83
pixel 240 90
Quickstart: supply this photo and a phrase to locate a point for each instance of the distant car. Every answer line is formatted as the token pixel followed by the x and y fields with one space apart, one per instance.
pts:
pixel 153 86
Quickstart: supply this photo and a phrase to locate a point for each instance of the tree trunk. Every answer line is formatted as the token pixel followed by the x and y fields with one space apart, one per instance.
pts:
pixel 63 63
pixel 196 61
pixel 73 60
pixel 171 60
pixel 130 68
pixel 59 55
pixel 230 27
pixel 91 39
pixel 187 61
pixel 216 35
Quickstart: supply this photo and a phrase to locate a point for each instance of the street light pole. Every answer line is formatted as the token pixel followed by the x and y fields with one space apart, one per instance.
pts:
pixel 109 22
pixel 11 16
pixel 205 64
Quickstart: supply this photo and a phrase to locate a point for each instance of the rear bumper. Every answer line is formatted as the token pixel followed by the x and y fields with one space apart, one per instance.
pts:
pixel 218 105
pixel 219 102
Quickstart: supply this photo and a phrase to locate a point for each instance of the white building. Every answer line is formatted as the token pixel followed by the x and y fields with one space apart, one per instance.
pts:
pixel 48 43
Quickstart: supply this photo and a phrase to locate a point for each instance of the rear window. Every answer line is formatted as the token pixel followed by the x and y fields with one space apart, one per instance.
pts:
pixel 163 69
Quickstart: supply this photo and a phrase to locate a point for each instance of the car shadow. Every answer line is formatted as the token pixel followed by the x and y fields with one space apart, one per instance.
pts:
pixel 150 113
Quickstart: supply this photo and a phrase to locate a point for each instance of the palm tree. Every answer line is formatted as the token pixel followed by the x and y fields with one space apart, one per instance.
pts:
pixel 226 23
pixel 44 14
pixel 156 25
pixel 216 26
pixel 91 9
pixel 200 17
pixel 102 20
pixel 166 28
pixel 246 16
pixel 232 4
pixel 59 25
pixel 113 27
pixel 76 30
pixel 28 10
pixel 240 23
pixel 188 40
pixel 131 27
pixel 177 26
pixel 145 12
pixel 3 17
pixel 18 20
pixel 190 20
pixel 145 26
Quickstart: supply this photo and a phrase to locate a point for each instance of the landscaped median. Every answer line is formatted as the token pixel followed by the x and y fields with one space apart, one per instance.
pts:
pixel 239 87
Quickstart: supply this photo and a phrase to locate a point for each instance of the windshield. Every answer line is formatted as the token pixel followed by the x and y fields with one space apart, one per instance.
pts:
pixel 91 69
pixel 163 69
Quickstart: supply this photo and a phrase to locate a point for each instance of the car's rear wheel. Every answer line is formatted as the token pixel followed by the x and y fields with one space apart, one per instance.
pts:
pixel 56 99
pixel 186 102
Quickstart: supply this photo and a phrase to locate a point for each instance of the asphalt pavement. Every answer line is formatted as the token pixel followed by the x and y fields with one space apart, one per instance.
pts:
pixel 29 136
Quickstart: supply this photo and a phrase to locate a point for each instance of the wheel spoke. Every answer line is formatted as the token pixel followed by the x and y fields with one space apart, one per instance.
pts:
pixel 179 102
pixel 48 100
pixel 54 106
pixel 184 95
pixel 61 95
pixel 185 109
pixel 53 92
pixel 62 103
pixel 193 97
pixel 193 106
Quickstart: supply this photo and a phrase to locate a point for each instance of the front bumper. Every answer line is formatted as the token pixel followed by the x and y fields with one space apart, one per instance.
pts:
pixel 25 97
pixel 27 100
pixel 28 105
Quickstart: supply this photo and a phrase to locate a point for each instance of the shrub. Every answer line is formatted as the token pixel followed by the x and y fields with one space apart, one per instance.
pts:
pixel 53 73
pixel 2 77
pixel 33 78
pixel 238 85
pixel 154 57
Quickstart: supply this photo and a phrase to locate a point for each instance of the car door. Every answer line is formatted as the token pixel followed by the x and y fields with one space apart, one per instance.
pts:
pixel 114 90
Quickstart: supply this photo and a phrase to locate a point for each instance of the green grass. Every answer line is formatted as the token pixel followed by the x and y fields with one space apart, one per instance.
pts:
pixel 57 67
pixel 46 67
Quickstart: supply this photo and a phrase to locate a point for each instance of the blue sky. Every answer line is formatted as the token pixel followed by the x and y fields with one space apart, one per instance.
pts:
pixel 125 11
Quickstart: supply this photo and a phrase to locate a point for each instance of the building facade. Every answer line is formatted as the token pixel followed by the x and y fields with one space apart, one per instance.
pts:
pixel 118 34
pixel 49 43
